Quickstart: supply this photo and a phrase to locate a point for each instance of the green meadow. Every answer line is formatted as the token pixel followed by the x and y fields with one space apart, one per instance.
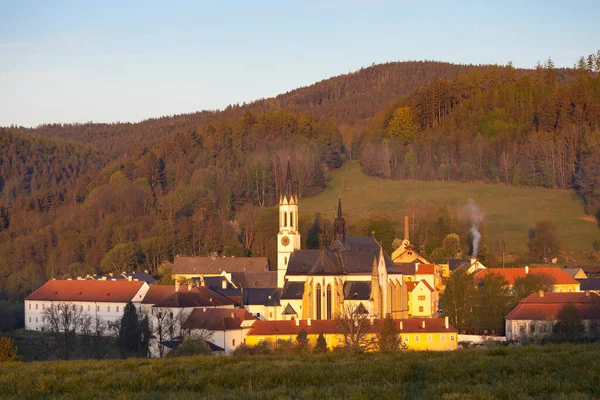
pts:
pixel 548 372
pixel 509 211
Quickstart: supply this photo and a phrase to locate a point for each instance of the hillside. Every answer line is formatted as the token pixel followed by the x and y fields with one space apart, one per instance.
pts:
pixel 509 211
pixel 564 371
pixel 346 99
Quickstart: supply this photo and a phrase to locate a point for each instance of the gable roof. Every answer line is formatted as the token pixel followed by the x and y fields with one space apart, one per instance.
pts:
pixel 534 307
pixel 120 291
pixel 217 319
pixel 455 263
pixel 262 296
pixel 559 276
pixel 216 265
pixel 255 279
pixel 572 272
pixel 289 310
pixel 157 293
pixel 292 290
pixel 357 290
pixel 411 285
pixel 197 297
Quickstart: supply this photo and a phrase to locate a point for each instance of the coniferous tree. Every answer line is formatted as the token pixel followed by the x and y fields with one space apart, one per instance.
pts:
pixel 130 335
pixel 321 345
pixel 302 340
pixel 388 339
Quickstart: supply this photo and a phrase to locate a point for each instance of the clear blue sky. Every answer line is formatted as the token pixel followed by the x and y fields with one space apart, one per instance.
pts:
pixel 78 61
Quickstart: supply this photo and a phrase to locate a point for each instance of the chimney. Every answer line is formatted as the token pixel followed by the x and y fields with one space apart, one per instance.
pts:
pixel 145 271
pixel 110 274
pixel 224 284
pixel 423 324
pixel 416 268
pixel 401 325
pixel 297 322
pixel 308 321
pixel 587 293
pixel 541 292
pixel 446 322
pixel 189 285
pixel 526 269
pixel 129 278
pixel 232 315
pixel 177 284
pixel 406 228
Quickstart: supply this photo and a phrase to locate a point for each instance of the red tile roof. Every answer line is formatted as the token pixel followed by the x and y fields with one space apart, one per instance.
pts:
pixel 217 319
pixel 534 307
pixel 425 269
pixel 197 297
pixel 412 285
pixel 510 274
pixel 411 325
pixel 120 291
pixel 157 293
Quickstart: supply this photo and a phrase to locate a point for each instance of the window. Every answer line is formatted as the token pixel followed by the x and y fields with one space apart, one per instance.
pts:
pixel 452 338
pixel 285 260
pixel 340 340
pixel 422 298
pixel 532 328
pixel 44 320
pixel 117 308
pixel 108 308
pixel 36 306
pixel 233 342
pixel 30 306
pixel 542 328
pixel 429 338
pixel 318 302
pixel 521 329
pixel 405 339
pixel 443 338
pixel 420 308
pixel 88 307
pixel 260 339
pixel 81 307
pixel 257 315
pixel 292 219
pixel 285 219
pixel 270 315
pixel 171 315
pixel 417 338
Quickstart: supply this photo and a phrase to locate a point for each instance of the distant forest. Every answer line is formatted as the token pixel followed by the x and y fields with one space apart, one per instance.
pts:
pixel 79 199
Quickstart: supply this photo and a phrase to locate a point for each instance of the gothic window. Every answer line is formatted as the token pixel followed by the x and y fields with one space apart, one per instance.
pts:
pixel 284 218
pixel 329 301
pixel 318 301
pixel 292 219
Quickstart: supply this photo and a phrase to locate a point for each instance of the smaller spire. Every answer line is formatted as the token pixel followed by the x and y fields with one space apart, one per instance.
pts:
pixel 340 223
pixel 289 187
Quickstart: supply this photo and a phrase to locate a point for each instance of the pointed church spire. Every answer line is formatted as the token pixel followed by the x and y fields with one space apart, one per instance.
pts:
pixel 289 187
pixel 340 223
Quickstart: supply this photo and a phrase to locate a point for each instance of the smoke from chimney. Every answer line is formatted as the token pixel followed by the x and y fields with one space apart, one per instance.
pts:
pixel 475 215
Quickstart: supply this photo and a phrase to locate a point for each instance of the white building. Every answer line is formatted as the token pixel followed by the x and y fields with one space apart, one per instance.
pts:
pixel 104 300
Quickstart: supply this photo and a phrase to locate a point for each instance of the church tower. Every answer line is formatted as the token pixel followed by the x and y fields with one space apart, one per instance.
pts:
pixel 288 238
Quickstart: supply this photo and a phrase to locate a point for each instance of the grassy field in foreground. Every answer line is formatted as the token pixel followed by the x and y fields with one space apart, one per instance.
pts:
pixel 550 372
pixel 509 211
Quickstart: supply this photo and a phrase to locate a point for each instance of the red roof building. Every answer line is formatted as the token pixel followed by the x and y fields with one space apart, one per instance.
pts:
pixel 120 291
pixel 562 281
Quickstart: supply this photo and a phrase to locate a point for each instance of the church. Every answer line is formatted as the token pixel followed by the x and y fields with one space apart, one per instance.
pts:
pixel 353 273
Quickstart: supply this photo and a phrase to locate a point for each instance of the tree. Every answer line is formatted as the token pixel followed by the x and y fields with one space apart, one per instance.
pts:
pixel 321 345
pixel 354 325
pixel 403 124
pixel 545 243
pixel 568 327
pixel 8 350
pixel 92 331
pixel 64 320
pixel 388 338
pixel 530 283
pixel 134 333
pixel 492 302
pixel 191 346
pixel 302 340
pixel 457 300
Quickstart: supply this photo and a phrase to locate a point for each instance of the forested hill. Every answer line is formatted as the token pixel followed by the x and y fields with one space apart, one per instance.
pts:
pixel 346 99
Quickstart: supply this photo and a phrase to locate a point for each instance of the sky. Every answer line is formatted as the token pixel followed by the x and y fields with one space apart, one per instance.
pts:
pixel 109 61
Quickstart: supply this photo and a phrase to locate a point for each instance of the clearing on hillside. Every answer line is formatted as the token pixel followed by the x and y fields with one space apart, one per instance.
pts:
pixel 509 211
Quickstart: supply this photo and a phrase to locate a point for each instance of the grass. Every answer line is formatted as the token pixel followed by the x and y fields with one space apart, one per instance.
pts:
pixel 549 372
pixel 509 211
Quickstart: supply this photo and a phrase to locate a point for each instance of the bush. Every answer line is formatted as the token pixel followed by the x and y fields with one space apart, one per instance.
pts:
pixel 191 346
pixel 8 350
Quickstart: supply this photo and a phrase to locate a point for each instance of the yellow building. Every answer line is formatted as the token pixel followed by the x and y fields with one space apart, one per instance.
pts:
pixel 417 333
pixel 420 299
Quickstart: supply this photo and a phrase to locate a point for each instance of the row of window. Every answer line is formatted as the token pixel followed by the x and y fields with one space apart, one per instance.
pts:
pixel 406 339
pixel 108 308
pixel 284 219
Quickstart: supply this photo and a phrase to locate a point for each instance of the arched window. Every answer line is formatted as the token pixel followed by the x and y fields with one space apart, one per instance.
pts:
pixel 292 219
pixel 285 260
pixel 329 302
pixel 318 301
pixel 284 218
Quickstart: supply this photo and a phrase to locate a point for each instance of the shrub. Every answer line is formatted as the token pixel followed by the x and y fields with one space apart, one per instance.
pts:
pixel 8 350
pixel 191 346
